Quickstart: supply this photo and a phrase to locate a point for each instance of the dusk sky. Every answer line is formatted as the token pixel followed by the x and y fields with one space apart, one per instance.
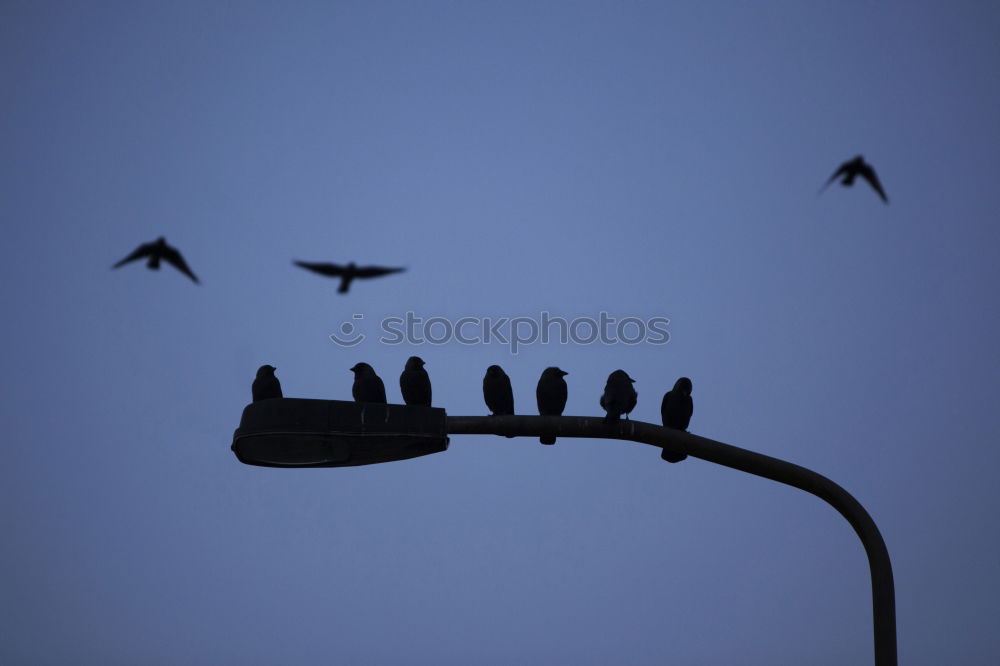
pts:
pixel 638 159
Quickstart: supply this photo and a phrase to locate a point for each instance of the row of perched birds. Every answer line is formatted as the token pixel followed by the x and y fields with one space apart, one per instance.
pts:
pixel 619 397
pixel 159 250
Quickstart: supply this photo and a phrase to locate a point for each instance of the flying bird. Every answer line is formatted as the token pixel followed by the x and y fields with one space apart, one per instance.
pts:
pixel 619 396
pixel 368 386
pixel 414 383
pixel 497 392
pixel 266 385
pixel 551 395
pixel 157 250
pixel 348 273
pixel 851 169
pixel 676 410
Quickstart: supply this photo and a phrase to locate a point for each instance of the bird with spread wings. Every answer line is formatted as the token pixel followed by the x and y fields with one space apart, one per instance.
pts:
pixel 348 273
pixel 853 168
pixel 156 251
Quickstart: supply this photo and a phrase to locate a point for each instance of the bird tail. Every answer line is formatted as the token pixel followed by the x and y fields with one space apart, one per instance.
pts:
pixel 547 439
pixel 611 417
pixel 671 457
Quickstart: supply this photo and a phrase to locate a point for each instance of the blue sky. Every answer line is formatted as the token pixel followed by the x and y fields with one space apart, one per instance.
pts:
pixel 639 159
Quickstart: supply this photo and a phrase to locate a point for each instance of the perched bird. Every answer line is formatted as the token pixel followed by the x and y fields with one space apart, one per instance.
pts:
pixel 266 385
pixel 497 392
pixel 851 169
pixel 551 395
pixel 414 383
pixel 157 250
pixel 676 410
pixel 368 386
pixel 619 396
pixel 348 273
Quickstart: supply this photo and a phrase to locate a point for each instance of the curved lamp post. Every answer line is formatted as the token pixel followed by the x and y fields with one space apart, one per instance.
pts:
pixel 291 432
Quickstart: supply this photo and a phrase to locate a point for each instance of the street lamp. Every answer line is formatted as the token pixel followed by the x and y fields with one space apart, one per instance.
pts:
pixel 291 432
pixel 294 432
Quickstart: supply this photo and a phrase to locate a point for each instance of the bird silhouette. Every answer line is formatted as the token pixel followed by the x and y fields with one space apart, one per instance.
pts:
pixel 853 168
pixel 497 392
pixel 676 410
pixel 414 383
pixel 266 385
pixel 551 394
pixel 348 273
pixel 368 386
pixel 619 396
pixel 157 250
